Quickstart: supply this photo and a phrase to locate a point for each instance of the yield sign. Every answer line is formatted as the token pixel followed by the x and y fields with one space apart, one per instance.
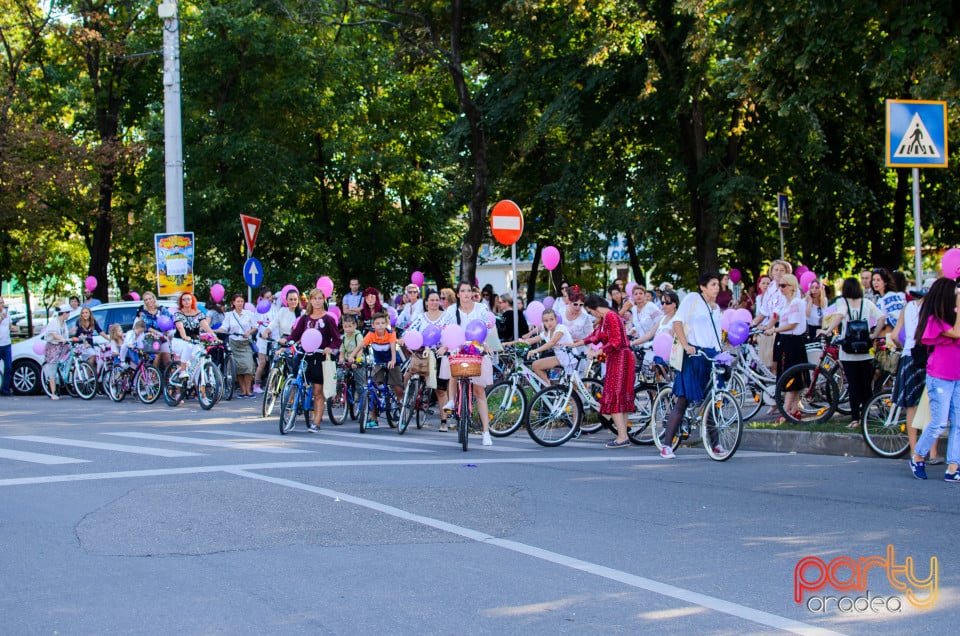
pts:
pixel 251 227
pixel 506 222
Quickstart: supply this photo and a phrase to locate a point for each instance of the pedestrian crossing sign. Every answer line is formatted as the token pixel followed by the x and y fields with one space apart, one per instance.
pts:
pixel 916 134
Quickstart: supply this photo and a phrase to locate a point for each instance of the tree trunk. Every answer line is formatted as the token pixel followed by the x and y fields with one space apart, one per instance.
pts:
pixel 534 269
pixel 634 260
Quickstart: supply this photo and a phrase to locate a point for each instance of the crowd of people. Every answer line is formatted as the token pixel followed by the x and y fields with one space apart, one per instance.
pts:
pixel 789 312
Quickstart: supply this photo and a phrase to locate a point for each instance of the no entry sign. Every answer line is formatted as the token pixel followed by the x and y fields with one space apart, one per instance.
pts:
pixel 506 222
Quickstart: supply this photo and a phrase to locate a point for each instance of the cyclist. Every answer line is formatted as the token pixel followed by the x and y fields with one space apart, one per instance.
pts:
pixel 412 306
pixel 383 342
pixel 551 335
pixel 57 347
pixel 350 350
pixel 465 310
pixel 150 312
pixel 85 329
pixel 695 326
pixel 317 318
pixel 284 317
pixel 263 324
pixel 188 323
pixel 241 325
pixel 431 315
pixel 789 349
pixel 371 305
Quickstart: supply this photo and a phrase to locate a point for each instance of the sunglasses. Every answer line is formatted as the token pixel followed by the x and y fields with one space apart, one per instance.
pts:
pixel 785 285
pixel 578 304
pixel 669 302
pixel 413 291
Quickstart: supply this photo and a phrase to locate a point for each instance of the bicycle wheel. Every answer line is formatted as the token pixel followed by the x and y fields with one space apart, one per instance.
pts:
pixel 884 426
pixel 271 391
pixel 392 406
pixel 721 426
pixel 209 384
pixel 116 384
pixel 289 398
pixel 843 391
pixel 818 395
pixel 337 406
pixel 592 421
pixel 507 404
pixel 229 374
pixel 148 384
pixel 463 413
pixel 420 408
pixel 553 415
pixel 752 401
pixel 45 381
pixel 639 429
pixel 308 405
pixel 354 391
pixel 84 380
pixel 173 385
pixel 362 410
pixel 409 404
pixel 663 405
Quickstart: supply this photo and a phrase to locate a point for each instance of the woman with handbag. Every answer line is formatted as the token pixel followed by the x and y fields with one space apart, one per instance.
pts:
pixel 789 349
pixel 241 325
pixel 421 360
pixel 696 329
pixel 318 319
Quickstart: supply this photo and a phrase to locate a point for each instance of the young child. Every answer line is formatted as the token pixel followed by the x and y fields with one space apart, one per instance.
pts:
pixel 350 347
pixel 384 345
pixel 115 340
pixel 551 335
pixel 132 342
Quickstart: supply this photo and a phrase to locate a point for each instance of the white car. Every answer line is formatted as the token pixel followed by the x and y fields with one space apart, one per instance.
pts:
pixel 26 362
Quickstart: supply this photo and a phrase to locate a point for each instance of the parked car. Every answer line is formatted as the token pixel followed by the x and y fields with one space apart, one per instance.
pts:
pixel 26 362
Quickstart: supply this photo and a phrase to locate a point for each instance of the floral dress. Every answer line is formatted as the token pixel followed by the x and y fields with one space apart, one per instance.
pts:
pixel 618 383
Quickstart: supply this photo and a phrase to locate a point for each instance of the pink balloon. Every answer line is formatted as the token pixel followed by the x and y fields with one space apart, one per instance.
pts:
pixel 662 343
pixel 335 312
pixel 548 302
pixel 735 275
pixel 217 292
pixel 726 318
pixel 805 279
pixel 629 288
pixel 311 340
pixel 950 263
pixel 413 340
pixel 551 257
pixel 249 307
pixel 91 283
pixel 325 285
pixel 801 270
pixel 741 315
pixel 453 336
pixel 135 295
pixel 283 292
pixel 534 313
pixel 39 346
pixel 417 278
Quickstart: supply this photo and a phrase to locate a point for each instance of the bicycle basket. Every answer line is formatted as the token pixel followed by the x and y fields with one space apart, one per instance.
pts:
pixel 462 366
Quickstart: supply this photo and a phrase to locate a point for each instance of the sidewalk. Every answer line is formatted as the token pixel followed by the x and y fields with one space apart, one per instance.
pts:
pixel 816 443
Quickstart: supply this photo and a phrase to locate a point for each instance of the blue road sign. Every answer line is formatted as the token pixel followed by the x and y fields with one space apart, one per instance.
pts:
pixel 783 211
pixel 916 134
pixel 253 272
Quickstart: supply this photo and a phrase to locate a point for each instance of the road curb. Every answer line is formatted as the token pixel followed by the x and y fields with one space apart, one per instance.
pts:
pixel 815 443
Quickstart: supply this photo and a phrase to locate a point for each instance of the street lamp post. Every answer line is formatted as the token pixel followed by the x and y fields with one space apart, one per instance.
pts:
pixel 173 143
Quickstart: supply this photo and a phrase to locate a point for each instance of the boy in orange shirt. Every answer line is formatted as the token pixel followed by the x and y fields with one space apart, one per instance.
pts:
pixel 384 345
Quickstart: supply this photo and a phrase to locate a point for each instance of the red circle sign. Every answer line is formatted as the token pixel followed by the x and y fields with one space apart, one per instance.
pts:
pixel 506 222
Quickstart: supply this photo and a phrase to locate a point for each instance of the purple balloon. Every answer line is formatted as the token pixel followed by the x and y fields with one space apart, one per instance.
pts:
pixel 392 313
pixel 738 333
pixel 263 306
pixel 431 335
pixel 548 302
pixel 165 323
pixel 475 331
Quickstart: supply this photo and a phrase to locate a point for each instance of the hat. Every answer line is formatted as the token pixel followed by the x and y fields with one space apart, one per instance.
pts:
pixel 665 286
pixel 65 309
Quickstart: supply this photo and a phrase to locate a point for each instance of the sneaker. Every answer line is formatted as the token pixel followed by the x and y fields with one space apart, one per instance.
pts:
pixel 719 450
pixel 372 424
pixel 667 453
pixel 257 389
pixel 448 406
pixel 54 397
pixel 313 429
pixel 918 469
pixel 443 427
pixel 952 477
pixel 488 441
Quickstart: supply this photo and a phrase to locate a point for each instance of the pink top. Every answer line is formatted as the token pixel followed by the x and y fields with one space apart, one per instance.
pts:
pixel 944 360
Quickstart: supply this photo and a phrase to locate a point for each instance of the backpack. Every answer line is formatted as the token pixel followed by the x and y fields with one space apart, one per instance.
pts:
pixel 857 339
pixel 920 352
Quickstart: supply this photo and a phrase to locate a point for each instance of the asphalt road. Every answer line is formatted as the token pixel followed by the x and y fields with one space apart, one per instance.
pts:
pixel 132 519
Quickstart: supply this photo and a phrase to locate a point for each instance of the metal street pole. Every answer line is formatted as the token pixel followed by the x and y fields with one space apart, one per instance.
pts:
pixel 918 258
pixel 173 143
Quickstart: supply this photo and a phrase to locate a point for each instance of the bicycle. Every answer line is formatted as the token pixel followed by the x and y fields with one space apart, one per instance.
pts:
pixel 74 373
pixel 202 376
pixel 280 367
pixel 297 396
pixel 507 399
pixel 464 368
pixel 222 356
pixel 416 399
pixel 376 398
pixel 144 378
pixel 721 424
pixel 884 426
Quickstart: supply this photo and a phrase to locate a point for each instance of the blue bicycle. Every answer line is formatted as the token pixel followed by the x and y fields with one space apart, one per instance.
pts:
pixel 377 398
pixel 296 398
pixel 346 401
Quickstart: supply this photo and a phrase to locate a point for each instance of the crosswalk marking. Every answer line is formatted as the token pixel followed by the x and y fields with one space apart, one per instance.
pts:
pixel 38 458
pixel 321 440
pixel 451 443
pixel 121 448
pixel 180 439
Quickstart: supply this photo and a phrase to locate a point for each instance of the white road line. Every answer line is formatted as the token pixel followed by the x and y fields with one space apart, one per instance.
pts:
pixel 38 458
pixel 120 448
pixel 318 440
pixel 639 582
pixel 451 443
pixel 180 439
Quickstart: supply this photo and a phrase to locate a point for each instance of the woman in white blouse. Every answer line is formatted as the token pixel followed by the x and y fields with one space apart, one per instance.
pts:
pixel 790 346
pixel 241 324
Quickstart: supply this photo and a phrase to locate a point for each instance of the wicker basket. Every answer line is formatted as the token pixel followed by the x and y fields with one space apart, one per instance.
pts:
pixel 462 366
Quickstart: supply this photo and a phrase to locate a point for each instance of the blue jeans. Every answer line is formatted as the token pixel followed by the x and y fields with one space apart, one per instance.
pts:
pixel 944 409
pixel 5 354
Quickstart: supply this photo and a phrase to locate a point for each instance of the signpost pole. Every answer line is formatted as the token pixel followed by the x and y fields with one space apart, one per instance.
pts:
pixel 918 258
pixel 249 288
pixel 516 300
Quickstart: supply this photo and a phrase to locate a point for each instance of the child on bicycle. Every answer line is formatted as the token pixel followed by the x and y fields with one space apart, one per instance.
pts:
pixel 384 345
pixel 550 335
pixel 351 348
pixel 133 343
